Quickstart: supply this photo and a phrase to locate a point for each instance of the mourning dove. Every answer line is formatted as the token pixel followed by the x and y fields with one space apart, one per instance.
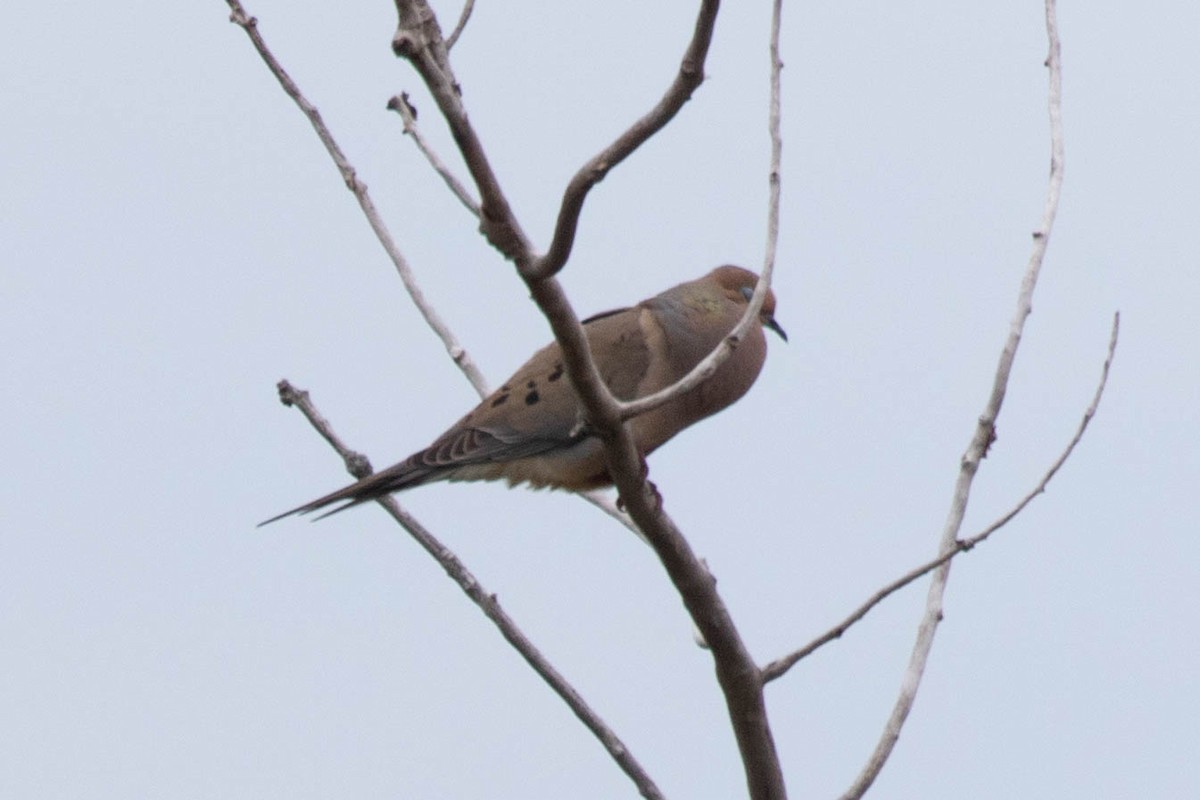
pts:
pixel 529 431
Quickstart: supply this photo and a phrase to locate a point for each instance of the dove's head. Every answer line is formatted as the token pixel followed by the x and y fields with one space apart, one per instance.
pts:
pixel 739 284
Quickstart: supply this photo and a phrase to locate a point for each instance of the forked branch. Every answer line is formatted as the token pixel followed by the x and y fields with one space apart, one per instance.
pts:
pixel 984 431
pixel 463 18
pixel 360 467
pixel 709 364
pixel 457 352
pixel 402 106
pixel 418 39
pixel 689 77
pixel 780 666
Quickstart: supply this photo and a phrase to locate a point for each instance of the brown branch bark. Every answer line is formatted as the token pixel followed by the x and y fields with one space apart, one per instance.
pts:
pixel 689 77
pixel 418 39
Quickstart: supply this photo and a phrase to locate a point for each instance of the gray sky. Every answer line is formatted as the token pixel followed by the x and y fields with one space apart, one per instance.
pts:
pixel 176 241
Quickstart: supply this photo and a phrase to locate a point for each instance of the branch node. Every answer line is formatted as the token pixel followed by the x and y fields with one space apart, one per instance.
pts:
pixel 500 234
pixel 405 44
pixel 358 465
pixel 289 395
pixel 991 440
pixel 402 105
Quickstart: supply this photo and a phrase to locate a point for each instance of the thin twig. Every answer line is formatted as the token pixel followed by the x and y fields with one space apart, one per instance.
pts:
pixel 360 467
pixel 774 115
pixel 709 364
pixel 418 39
pixel 609 506
pixel 780 666
pixel 356 463
pixel 457 352
pixel 984 431
pixel 462 23
pixel 401 105
pixel 687 80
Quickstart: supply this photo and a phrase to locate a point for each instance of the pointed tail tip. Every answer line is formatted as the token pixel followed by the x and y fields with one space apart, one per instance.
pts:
pixel 365 490
pixel 297 511
pixel 313 505
pixel 353 502
pixel 278 517
pixel 308 508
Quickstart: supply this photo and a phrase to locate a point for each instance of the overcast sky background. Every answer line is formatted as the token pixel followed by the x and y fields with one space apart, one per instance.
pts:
pixel 176 241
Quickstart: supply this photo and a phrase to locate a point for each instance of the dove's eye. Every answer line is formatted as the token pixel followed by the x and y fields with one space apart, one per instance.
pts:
pixel 747 293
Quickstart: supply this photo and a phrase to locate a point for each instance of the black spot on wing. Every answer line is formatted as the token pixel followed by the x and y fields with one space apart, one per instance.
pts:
pixel 532 395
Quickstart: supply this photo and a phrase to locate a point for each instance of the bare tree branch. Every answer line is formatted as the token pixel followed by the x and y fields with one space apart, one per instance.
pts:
pixel 360 467
pixel 608 506
pixel 708 366
pixel 774 116
pixel 401 105
pixel 780 666
pixel 418 39
pixel 457 352
pixel 628 409
pixel 462 23
pixel 356 463
pixel 690 76
pixel 985 430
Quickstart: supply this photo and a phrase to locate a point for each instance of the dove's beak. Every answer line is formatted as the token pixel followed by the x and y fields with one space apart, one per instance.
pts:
pixel 769 322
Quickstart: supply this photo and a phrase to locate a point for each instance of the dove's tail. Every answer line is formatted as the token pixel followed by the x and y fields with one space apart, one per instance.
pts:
pixel 372 487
